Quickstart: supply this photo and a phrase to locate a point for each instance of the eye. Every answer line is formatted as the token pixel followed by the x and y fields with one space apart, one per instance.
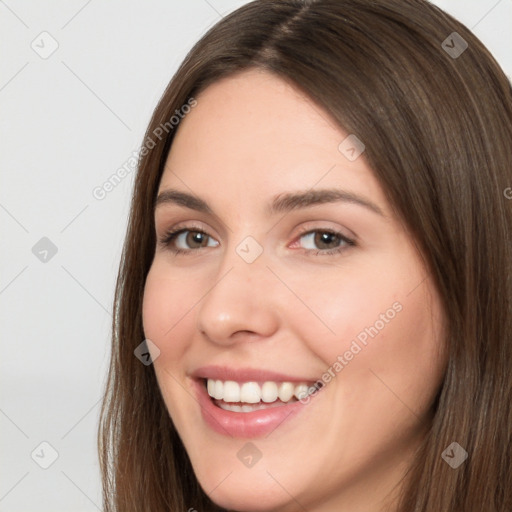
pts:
pixel 189 236
pixel 188 239
pixel 326 241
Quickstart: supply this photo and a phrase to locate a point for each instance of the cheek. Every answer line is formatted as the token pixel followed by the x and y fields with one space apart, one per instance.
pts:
pixel 165 312
pixel 378 323
pixel 391 348
pixel 352 305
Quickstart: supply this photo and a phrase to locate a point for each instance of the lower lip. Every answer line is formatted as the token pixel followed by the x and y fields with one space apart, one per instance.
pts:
pixel 243 424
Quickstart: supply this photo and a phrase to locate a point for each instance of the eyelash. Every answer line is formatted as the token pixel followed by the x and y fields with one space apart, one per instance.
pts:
pixel 171 235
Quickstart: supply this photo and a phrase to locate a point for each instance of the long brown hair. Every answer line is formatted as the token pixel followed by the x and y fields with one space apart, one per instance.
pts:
pixel 437 126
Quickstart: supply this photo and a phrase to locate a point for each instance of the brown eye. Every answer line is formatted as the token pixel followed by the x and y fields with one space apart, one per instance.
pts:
pixel 323 241
pixel 190 238
pixel 195 237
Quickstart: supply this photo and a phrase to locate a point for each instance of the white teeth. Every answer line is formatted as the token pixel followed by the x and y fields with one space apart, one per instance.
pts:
pixel 231 392
pixel 211 387
pixel 286 390
pixel 269 392
pixel 218 391
pixel 252 393
pixel 301 391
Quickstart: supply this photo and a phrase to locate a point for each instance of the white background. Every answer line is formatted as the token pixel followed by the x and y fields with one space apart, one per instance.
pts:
pixel 67 124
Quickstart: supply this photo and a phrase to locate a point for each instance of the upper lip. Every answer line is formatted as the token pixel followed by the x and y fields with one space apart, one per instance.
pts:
pixel 226 373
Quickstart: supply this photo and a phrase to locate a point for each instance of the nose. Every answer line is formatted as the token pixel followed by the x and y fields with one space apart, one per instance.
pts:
pixel 241 303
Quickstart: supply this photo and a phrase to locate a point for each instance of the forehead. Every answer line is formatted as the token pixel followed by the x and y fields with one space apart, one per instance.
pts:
pixel 254 107
pixel 253 135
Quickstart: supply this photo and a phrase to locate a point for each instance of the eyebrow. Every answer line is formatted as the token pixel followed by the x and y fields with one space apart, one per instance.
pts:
pixel 281 203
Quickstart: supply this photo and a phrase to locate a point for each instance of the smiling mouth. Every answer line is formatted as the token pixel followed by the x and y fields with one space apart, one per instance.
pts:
pixel 251 396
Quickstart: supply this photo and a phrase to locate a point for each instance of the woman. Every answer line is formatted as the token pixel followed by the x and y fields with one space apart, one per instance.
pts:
pixel 340 337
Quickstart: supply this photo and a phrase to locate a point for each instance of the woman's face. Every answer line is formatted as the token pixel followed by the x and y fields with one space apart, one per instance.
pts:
pixel 303 275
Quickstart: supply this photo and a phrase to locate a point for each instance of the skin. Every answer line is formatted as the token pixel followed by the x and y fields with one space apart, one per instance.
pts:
pixel 251 137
